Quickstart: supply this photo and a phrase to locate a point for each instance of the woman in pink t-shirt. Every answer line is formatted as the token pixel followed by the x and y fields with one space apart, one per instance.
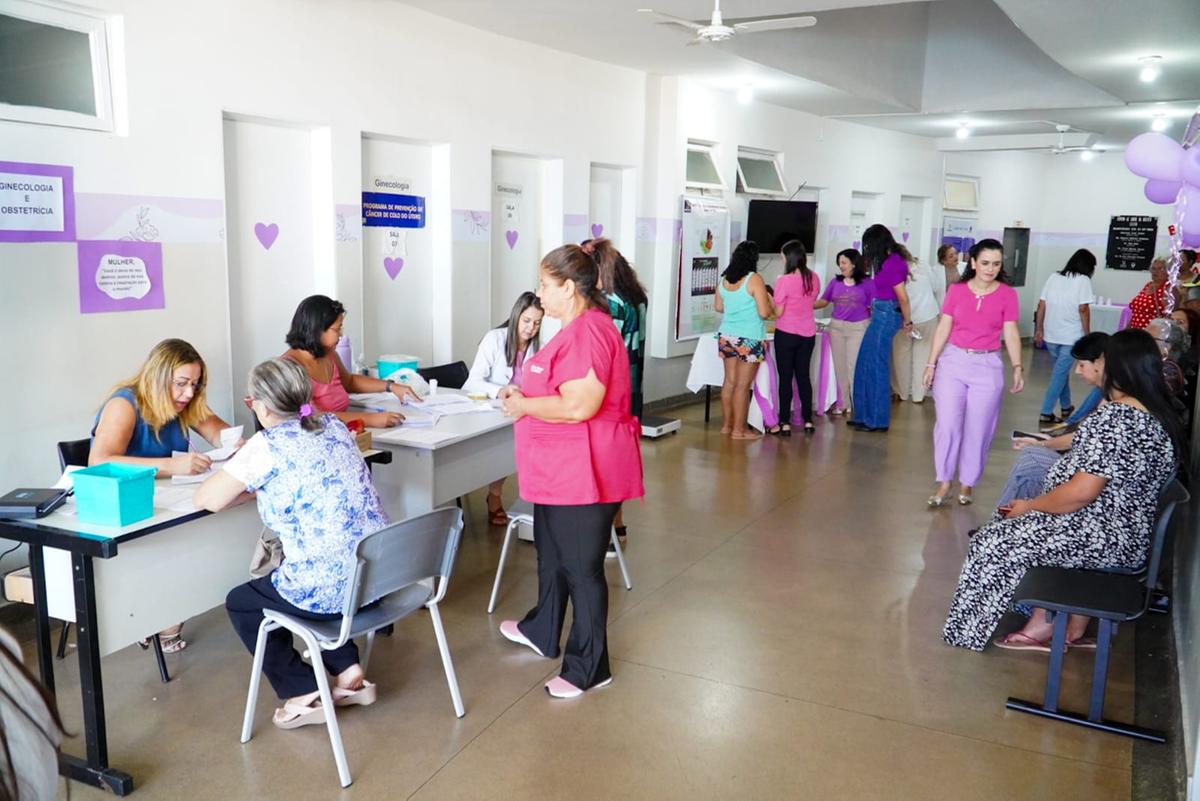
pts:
pixel 979 312
pixel 795 334
pixel 577 458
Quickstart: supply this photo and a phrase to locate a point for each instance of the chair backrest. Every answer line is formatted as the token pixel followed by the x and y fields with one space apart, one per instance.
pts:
pixel 1173 494
pixel 394 557
pixel 452 375
pixel 74 452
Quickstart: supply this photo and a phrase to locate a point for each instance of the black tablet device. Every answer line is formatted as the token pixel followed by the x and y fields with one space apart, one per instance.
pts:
pixel 29 502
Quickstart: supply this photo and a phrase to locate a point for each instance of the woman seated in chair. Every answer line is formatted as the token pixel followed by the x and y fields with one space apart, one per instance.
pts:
pixel 147 418
pixel 498 364
pixel 1098 507
pixel 314 490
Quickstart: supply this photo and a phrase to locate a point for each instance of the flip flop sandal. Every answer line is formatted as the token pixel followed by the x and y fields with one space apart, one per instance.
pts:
pixel 1083 643
pixel 966 500
pixel 173 643
pixel 363 696
pixel 297 715
pixel 1017 641
pixel 936 501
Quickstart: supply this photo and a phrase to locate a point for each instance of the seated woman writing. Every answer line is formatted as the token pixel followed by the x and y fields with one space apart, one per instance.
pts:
pixel 499 363
pixel 1098 505
pixel 147 418
pixel 299 453
pixel 315 331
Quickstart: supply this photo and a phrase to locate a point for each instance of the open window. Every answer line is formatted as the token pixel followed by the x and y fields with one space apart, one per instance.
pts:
pixel 55 64
pixel 759 173
pixel 961 193
pixel 702 172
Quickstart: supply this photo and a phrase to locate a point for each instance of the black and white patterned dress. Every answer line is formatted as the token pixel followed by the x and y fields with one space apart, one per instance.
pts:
pixel 1123 444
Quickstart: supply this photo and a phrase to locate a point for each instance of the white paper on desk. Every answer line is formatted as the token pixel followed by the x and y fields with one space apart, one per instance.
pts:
pixel 176 499
pixel 415 436
pixel 229 436
pixel 199 477
pixel 448 399
pixel 466 408
pixel 414 419
pixel 65 481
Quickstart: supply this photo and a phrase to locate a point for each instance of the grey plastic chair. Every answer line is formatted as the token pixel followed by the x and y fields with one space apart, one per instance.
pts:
pixel 522 512
pixel 391 572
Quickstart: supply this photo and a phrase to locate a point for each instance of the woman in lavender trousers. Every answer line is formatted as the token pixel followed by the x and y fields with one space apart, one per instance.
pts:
pixel 966 372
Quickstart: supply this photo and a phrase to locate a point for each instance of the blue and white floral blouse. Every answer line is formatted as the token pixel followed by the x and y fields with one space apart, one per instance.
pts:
pixel 314 490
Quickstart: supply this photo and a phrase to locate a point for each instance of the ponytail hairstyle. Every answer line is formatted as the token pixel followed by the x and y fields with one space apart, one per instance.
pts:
pixel 742 262
pixel 572 263
pixel 878 243
pixel 795 259
pixel 616 274
pixel 976 249
pixel 860 273
pixel 285 389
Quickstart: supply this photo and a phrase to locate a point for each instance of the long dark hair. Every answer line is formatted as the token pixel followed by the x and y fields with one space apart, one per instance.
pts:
pixel 571 263
pixel 860 269
pixel 511 338
pixel 742 262
pixel 1082 262
pixel 976 249
pixel 313 316
pixel 1133 366
pixel 10 662
pixel 616 274
pixel 878 243
pixel 795 259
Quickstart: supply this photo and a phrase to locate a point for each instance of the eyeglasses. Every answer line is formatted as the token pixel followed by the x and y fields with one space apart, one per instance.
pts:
pixel 183 383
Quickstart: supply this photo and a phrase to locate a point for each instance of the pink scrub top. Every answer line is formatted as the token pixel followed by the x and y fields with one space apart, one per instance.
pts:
pixel 979 321
pixel 598 460
pixel 797 317
pixel 331 397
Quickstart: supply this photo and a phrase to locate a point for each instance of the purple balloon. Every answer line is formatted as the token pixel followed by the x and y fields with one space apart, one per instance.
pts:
pixel 1162 191
pixel 1154 155
pixel 1191 212
pixel 1191 241
pixel 1190 168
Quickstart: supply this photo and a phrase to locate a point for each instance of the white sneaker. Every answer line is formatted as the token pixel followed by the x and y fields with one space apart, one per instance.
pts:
pixel 511 632
pixel 558 687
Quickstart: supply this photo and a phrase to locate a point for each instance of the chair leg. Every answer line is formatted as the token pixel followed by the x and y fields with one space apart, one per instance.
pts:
pixel 447 663
pixel 1054 672
pixel 621 560
pixel 260 647
pixel 335 733
pixel 1100 671
pixel 61 653
pixel 365 656
pixel 508 534
pixel 162 660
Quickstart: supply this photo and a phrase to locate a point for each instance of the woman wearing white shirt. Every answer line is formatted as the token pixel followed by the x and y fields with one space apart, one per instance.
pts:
pixel 1063 316
pixel 498 362
pixel 910 352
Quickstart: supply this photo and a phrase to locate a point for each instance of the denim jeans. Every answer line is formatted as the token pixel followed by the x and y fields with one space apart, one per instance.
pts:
pixel 1088 405
pixel 1059 388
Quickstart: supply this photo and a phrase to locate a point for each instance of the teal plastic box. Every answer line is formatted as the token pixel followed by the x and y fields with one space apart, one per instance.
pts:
pixel 114 494
pixel 391 362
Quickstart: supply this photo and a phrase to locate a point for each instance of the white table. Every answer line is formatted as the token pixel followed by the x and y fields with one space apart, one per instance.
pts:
pixel 431 467
pixel 1109 318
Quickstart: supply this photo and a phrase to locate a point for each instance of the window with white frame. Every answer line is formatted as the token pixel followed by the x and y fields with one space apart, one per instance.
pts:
pixel 759 173
pixel 55 64
pixel 961 193
pixel 702 172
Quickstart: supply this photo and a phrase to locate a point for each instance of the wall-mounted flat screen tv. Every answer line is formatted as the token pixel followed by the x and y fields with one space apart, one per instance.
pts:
pixel 772 223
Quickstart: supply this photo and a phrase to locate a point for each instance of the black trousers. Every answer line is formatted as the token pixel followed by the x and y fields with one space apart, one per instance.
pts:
pixel 571 542
pixel 793 358
pixel 282 665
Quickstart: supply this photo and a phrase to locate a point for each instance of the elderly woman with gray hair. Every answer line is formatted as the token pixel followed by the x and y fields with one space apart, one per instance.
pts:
pixel 300 453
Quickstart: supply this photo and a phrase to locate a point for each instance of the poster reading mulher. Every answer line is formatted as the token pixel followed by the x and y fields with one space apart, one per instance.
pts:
pixel 37 203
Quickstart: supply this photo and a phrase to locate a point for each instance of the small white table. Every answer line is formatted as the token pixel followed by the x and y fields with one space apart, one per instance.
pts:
pixel 432 466
pixel 1109 318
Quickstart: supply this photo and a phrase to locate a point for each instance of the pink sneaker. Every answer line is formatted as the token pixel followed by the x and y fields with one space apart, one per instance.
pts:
pixel 558 687
pixel 509 629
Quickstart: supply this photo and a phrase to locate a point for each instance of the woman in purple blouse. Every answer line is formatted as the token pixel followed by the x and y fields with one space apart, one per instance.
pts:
pixel 850 294
pixel 888 261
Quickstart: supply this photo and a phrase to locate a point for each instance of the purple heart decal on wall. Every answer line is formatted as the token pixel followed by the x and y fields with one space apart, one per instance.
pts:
pixel 266 234
pixel 597 229
pixel 856 245
pixel 511 238
pixel 904 236
pixel 393 266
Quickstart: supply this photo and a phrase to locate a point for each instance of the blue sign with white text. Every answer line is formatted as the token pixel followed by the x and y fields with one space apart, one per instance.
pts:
pixel 381 209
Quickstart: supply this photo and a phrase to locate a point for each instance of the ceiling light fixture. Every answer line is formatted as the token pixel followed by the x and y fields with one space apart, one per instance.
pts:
pixel 1087 155
pixel 1151 68
pixel 745 95
pixel 963 131
pixel 1160 123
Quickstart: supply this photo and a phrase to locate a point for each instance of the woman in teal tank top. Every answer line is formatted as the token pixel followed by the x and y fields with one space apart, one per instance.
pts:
pixel 743 301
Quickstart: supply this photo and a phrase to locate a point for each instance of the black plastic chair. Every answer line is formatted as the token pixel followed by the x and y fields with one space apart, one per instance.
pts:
pixel 1112 598
pixel 452 375
pixel 77 452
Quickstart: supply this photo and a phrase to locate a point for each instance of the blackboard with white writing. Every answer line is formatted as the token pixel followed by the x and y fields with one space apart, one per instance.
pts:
pixel 1131 240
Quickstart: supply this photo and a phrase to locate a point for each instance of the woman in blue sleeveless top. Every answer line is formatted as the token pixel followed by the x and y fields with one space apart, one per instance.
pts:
pixel 744 304
pixel 148 417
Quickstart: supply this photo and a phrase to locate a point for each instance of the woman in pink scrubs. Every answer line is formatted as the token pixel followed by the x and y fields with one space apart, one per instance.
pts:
pixel 577 459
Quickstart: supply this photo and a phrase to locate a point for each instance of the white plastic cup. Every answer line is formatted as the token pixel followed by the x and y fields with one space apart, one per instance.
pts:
pixel 433 386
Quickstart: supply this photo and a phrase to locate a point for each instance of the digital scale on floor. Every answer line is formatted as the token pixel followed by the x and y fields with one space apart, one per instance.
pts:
pixel 654 427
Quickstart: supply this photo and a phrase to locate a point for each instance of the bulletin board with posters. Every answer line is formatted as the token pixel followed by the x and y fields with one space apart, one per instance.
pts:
pixel 703 254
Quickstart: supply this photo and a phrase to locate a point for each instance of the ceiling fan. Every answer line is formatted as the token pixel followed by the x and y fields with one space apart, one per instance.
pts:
pixel 1061 148
pixel 717 31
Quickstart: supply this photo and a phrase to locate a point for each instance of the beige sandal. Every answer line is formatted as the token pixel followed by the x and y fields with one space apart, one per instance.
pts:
pixel 297 715
pixel 363 696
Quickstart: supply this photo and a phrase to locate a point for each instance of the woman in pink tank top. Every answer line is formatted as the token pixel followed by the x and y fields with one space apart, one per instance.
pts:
pixel 316 329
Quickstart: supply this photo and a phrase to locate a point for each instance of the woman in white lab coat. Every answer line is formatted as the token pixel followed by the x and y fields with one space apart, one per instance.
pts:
pixel 498 364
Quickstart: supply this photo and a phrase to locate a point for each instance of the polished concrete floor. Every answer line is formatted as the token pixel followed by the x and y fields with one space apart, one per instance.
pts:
pixel 782 641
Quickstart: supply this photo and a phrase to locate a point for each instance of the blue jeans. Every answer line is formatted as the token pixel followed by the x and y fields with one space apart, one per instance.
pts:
pixel 873 372
pixel 1085 408
pixel 1059 388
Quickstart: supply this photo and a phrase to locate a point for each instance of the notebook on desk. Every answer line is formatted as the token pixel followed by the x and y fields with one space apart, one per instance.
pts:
pixel 28 502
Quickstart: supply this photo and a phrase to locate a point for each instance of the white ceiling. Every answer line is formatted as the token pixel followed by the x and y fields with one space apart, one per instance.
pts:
pixel 1011 68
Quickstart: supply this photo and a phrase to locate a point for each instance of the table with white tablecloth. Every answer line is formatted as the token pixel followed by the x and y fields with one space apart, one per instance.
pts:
pixel 1110 318
pixel 708 370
